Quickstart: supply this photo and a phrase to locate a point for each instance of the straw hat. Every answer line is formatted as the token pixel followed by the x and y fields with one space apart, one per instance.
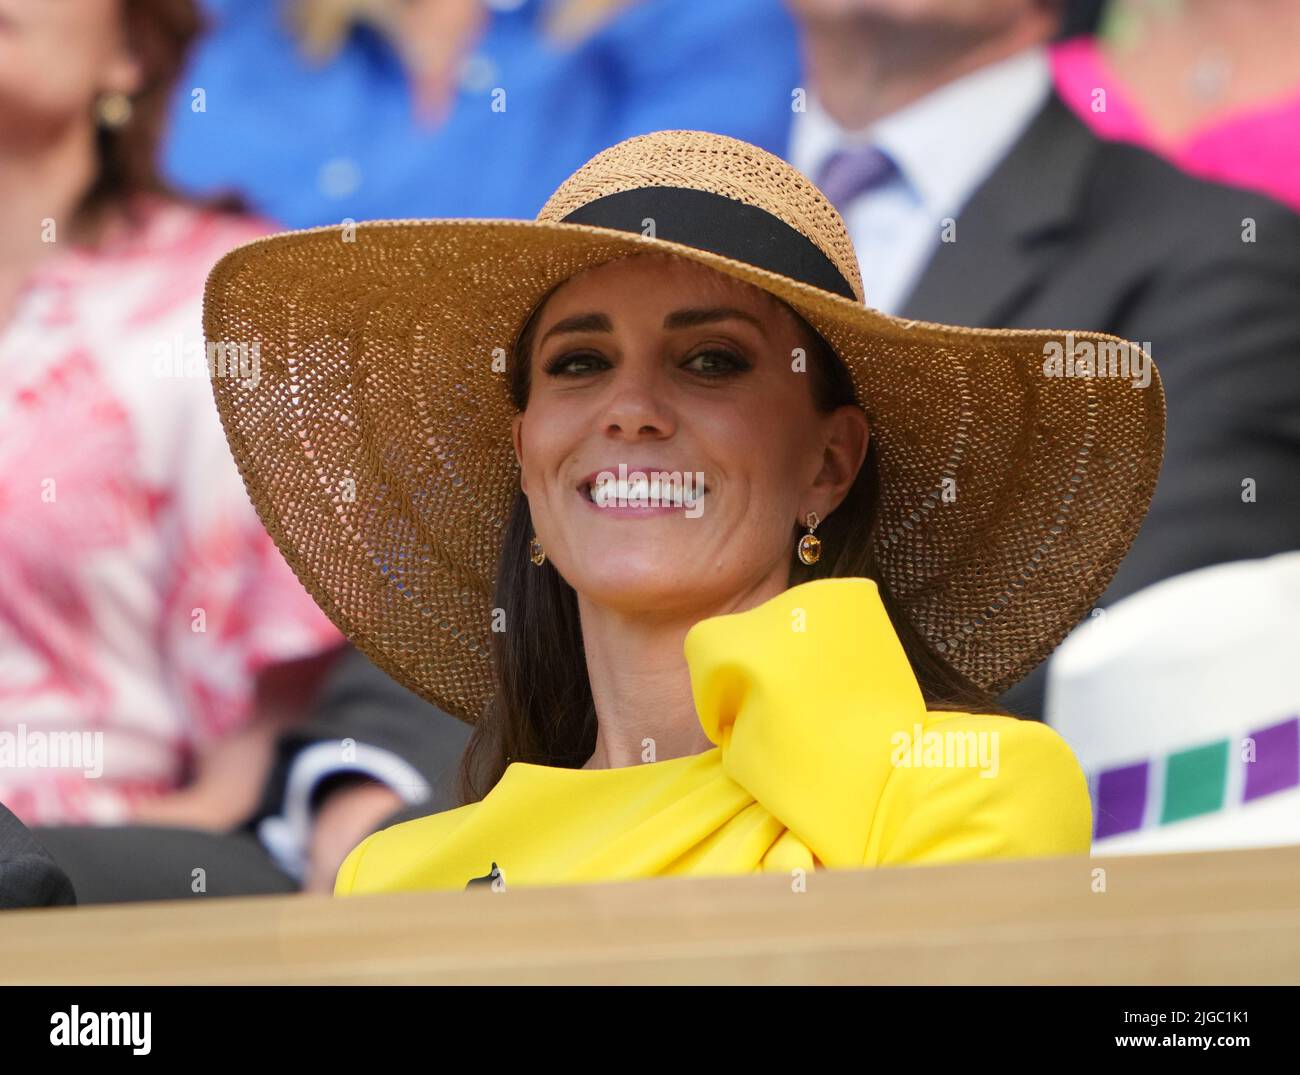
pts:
pixel 375 437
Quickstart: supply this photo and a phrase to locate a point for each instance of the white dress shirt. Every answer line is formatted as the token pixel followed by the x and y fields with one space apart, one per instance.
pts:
pixel 945 145
pixel 287 835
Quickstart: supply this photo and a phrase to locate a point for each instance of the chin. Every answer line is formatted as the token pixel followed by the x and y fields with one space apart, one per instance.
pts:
pixel 652 580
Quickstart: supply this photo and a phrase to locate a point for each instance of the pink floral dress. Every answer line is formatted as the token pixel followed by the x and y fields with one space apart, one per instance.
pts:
pixel 139 593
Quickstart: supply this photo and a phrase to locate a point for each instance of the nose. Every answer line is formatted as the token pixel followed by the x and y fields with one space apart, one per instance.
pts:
pixel 638 404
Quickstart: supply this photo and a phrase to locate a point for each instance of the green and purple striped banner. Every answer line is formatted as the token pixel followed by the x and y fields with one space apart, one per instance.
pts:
pixel 1196 781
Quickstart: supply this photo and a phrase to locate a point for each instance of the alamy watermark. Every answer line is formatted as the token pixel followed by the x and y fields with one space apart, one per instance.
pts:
pixel 227 359
pixel 946 749
pixel 75 1027
pixel 650 489
pixel 53 750
pixel 1098 358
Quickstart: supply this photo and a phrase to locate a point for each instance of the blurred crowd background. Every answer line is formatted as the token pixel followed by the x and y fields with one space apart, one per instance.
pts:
pixel 1131 167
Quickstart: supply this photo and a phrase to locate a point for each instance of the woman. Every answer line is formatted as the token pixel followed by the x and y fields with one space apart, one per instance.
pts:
pixel 142 606
pixel 1212 87
pixel 711 678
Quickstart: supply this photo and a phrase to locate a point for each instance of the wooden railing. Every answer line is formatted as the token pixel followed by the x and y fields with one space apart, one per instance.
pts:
pixel 1216 918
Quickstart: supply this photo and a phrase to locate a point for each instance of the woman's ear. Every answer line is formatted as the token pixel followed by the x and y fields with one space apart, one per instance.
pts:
pixel 848 432
pixel 122 72
pixel 517 438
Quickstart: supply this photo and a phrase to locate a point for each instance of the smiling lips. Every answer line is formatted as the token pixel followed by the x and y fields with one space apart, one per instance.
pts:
pixel 642 491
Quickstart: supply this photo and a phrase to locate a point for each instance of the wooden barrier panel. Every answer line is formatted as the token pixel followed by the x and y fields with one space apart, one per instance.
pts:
pixel 1217 918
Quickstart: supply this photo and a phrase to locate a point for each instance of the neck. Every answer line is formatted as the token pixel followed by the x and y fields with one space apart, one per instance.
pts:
pixel 862 68
pixel 39 182
pixel 1190 66
pixel 645 709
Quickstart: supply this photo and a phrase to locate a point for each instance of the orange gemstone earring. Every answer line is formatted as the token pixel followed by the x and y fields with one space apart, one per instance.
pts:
pixel 536 553
pixel 810 546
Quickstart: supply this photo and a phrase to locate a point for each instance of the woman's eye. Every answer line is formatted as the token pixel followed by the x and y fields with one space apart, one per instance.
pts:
pixel 716 363
pixel 573 365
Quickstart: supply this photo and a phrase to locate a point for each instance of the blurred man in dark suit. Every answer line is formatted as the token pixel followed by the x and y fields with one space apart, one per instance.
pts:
pixel 975 197
pixel 28 876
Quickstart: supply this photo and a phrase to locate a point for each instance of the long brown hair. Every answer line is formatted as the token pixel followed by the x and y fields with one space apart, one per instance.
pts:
pixel 159 34
pixel 543 711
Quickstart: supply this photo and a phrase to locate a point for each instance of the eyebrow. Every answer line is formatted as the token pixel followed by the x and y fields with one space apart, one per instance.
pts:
pixel 706 314
pixel 688 318
pixel 579 323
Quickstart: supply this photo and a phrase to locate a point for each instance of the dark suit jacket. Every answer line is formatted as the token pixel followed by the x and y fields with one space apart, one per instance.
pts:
pixel 1073 232
pixel 28 876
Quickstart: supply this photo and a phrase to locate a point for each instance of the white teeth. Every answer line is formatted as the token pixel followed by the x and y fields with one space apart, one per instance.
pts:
pixel 611 490
pixel 644 490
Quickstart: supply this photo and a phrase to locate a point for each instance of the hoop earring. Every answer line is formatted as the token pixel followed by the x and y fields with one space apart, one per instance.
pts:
pixel 536 553
pixel 810 546
pixel 113 110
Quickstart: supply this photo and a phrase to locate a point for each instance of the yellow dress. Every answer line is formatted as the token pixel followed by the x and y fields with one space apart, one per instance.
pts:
pixel 825 756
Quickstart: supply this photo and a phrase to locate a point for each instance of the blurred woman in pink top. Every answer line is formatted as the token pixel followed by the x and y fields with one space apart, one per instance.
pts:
pixel 145 616
pixel 1213 87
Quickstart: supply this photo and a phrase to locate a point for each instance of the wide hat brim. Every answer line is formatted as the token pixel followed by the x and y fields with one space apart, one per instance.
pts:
pixel 374 440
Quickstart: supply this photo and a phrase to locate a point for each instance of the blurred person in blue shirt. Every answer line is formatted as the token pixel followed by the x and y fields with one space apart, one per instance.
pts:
pixel 326 110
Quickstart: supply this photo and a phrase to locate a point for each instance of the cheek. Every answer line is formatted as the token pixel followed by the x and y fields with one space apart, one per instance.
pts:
pixel 56 61
pixel 547 437
pixel 763 454
pixel 760 515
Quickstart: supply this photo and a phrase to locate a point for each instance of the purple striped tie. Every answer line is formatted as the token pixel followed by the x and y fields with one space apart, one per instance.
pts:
pixel 850 172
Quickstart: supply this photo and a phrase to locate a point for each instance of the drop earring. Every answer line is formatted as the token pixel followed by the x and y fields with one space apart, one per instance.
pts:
pixel 810 546
pixel 536 553
pixel 113 110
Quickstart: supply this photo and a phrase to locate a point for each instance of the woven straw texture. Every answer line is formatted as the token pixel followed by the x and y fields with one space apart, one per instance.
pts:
pixel 376 443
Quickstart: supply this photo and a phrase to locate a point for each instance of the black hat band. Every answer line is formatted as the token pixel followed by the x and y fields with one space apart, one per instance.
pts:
pixel 720 225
